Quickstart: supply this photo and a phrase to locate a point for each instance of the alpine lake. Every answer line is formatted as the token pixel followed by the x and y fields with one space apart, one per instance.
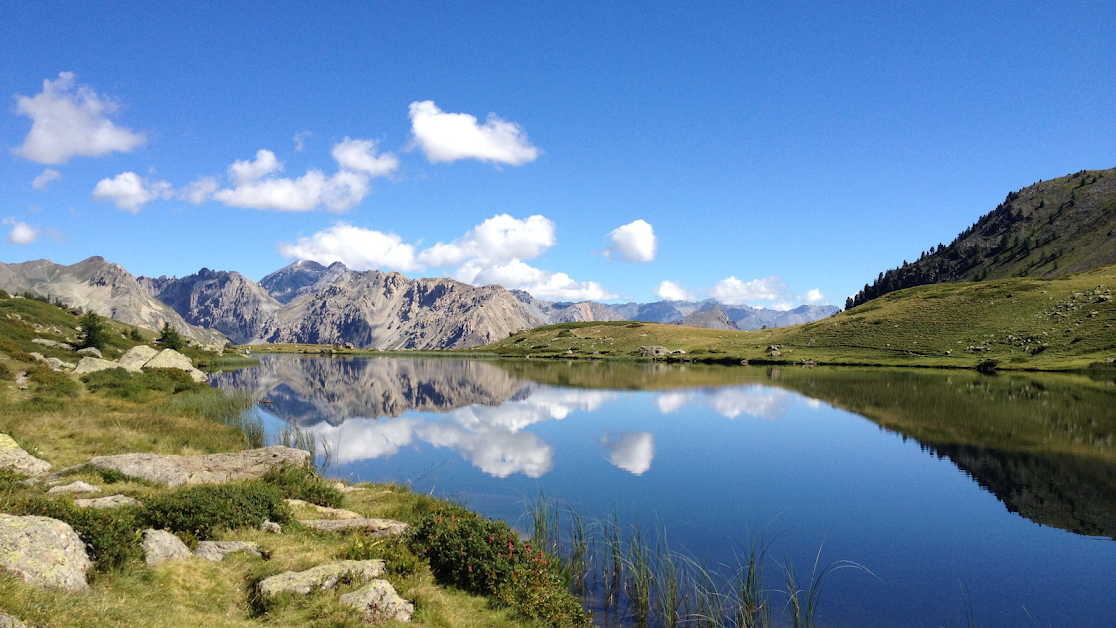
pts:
pixel 940 498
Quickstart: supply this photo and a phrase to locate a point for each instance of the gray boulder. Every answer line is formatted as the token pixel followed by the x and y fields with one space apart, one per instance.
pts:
pixel 44 552
pixel 7 621
pixel 321 577
pixel 53 344
pixel 379 602
pixel 209 469
pixel 112 501
pixel 75 487
pixel 271 527
pixel 329 513
pixel 216 550
pixel 92 365
pixel 160 546
pixel 13 457
pixel 171 359
pixel 134 358
pixel 92 352
pixel 370 527
pixel 653 351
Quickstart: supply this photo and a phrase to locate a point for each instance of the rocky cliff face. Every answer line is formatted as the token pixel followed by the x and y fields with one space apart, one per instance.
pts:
pixel 302 277
pixel 713 318
pixel 226 301
pixel 102 286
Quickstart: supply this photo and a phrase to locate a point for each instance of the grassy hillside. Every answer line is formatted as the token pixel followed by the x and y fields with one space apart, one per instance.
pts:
pixel 1049 229
pixel 1020 323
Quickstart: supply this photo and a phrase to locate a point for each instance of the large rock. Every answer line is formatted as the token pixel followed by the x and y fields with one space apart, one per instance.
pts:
pixel 134 358
pixel 171 359
pixel 160 546
pixel 92 365
pixel 216 550
pixel 7 621
pixel 43 551
pixel 209 469
pixel 370 527
pixel 321 577
pixel 379 602
pixel 92 352
pixel 13 457
pixel 75 487
pixel 101 503
pixel 653 351
pixel 53 344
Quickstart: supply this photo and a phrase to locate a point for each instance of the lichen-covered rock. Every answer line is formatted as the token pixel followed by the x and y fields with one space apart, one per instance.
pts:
pixel 160 546
pixel 330 513
pixel 653 351
pixel 44 552
pixel 379 602
pixel 75 487
pixel 54 344
pixel 216 550
pixel 13 457
pixel 171 359
pixel 371 527
pixel 7 621
pixel 134 358
pixel 112 501
pixel 92 352
pixel 208 469
pixel 321 577
pixel 345 488
pixel 92 365
pixel 271 527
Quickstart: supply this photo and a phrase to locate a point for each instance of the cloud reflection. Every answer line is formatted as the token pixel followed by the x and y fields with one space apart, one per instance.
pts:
pixel 730 401
pixel 631 451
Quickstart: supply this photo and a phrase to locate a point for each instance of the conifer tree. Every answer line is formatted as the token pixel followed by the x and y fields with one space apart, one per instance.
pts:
pixel 170 338
pixel 93 333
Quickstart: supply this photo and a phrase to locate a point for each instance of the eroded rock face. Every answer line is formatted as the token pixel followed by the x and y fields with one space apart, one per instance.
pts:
pixel 134 358
pixel 209 469
pixel 216 550
pixel 171 359
pixel 44 552
pixel 371 527
pixel 13 457
pixel 379 602
pixel 321 577
pixel 160 546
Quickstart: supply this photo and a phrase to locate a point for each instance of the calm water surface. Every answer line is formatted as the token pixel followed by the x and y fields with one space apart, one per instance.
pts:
pixel 944 485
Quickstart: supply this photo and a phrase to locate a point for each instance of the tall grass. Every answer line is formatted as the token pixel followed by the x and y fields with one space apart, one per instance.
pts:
pixel 321 452
pixel 229 409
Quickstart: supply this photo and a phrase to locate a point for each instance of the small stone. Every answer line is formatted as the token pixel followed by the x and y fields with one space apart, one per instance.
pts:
pixel 53 344
pixel 330 513
pixel 345 488
pixel 75 487
pixel 112 501
pixel 379 602
pixel 13 457
pixel 216 550
pixel 92 352
pixel 160 546
pixel 44 552
pixel 372 527
pixel 321 577
pixel 271 527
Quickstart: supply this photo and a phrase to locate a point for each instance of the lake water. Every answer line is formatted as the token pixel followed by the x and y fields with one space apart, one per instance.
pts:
pixel 947 486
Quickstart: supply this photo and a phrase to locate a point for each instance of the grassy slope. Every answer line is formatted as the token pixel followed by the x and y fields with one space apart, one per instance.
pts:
pixel 1057 324
pixel 66 430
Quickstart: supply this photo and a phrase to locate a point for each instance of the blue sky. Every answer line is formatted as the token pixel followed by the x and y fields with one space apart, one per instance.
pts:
pixel 768 153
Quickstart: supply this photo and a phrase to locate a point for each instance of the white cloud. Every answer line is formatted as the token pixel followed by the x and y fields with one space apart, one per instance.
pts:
pixel 497 452
pixel 501 238
pixel 130 192
pixel 730 401
pixel 300 140
pixel 813 297
pixel 452 136
pixel 732 291
pixel 542 284
pixel 70 120
pixel 360 156
pixel 632 451
pixel 366 439
pixel 43 180
pixel 633 242
pixel 670 291
pixel 357 248
pixel 200 190
pixel 21 232
pixel 243 171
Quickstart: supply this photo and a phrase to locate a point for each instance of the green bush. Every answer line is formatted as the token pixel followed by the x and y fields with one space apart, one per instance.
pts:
pixel 9 479
pixel 120 383
pixel 206 509
pixel 302 483
pixel 50 385
pixel 111 536
pixel 6 373
pixel 487 557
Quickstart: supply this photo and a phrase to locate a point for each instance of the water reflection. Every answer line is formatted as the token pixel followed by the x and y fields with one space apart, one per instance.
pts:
pixel 631 451
pixel 729 401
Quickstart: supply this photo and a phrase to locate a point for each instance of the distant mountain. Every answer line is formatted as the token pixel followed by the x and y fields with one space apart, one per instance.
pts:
pixel 1049 229
pixel 299 278
pixel 226 301
pixel 103 287
pixel 565 312
pixel 713 318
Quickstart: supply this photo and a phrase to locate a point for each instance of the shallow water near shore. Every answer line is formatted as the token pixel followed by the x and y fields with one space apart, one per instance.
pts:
pixel 947 486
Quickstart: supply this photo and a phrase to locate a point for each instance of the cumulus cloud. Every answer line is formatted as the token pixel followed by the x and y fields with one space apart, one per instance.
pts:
pixel 356 247
pixel 633 242
pixel 813 297
pixel 631 451
pixel 69 120
pixel 543 284
pixel 498 239
pixel 21 232
pixel 366 439
pixel 243 171
pixel 43 180
pixel 451 136
pixel 360 156
pixel 733 291
pixel 497 452
pixel 670 291
pixel 200 190
pixel 130 192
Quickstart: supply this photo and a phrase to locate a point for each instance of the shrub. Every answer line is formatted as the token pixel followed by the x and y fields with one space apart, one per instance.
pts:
pixel 111 536
pixel 206 509
pixel 302 483
pixel 6 373
pixel 485 556
pixel 134 334
pixel 50 385
pixel 118 382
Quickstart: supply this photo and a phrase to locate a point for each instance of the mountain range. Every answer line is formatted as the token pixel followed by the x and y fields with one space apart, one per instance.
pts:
pixel 307 302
